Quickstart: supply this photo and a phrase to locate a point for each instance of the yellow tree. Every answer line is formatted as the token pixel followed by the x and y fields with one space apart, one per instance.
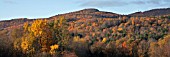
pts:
pixel 40 29
pixel 42 35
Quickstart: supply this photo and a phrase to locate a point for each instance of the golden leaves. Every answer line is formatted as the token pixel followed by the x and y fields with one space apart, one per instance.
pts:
pixel 94 24
pixel 38 26
pixel 114 29
pixel 24 45
pixel 104 40
pixel 25 26
pixel 41 34
pixel 78 39
pixel 120 29
pixel 53 48
pixel 133 20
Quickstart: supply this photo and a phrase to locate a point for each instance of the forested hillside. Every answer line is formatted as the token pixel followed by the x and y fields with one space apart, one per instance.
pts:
pixel 88 33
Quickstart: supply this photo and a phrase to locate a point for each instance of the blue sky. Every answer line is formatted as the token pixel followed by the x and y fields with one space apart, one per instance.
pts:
pixel 10 9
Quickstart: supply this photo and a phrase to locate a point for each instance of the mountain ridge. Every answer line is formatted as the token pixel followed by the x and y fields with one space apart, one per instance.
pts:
pixel 153 12
pixel 88 13
pixel 92 10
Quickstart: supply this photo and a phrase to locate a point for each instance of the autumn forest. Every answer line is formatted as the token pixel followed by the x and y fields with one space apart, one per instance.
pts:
pixel 88 33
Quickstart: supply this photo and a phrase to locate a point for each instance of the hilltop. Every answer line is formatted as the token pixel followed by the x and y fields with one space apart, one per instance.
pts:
pixel 153 12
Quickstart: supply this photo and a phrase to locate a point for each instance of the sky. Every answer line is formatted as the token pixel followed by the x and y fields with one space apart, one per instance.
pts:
pixel 11 9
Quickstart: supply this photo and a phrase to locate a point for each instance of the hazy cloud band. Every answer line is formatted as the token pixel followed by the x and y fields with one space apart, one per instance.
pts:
pixel 118 3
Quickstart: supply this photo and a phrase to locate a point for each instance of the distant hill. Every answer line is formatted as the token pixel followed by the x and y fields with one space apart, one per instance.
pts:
pixel 85 13
pixel 153 12
pixel 90 13
pixel 13 22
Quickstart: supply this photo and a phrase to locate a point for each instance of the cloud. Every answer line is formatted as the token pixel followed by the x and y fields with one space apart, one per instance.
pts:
pixel 9 2
pixel 104 3
pixel 166 0
pixel 113 3
pixel 152 2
